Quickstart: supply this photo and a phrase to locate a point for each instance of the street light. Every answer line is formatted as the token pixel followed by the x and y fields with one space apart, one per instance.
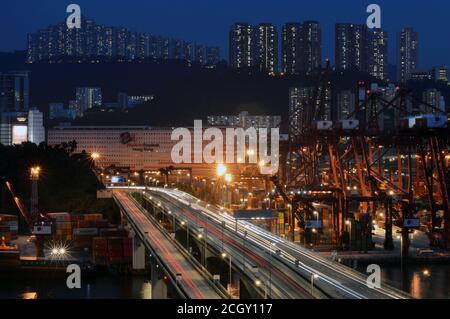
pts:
pixel 205 244
pixel 221 170
pixel 95 156
pixel 35 171
pixel 316 213
pixel 258 283
pixel 228 178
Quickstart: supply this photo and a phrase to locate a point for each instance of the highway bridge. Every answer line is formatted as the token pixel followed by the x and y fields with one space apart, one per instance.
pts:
pixel 187 278
pixel 269 265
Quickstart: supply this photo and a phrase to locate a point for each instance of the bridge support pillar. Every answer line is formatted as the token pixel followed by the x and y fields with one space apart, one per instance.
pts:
pixel 159 285
pixel 138 253
pixel 123 219
pixel 206 254
pixel 235 285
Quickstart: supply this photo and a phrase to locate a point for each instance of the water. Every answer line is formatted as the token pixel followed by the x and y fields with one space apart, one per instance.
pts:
pixel 52 285
pixel 422 282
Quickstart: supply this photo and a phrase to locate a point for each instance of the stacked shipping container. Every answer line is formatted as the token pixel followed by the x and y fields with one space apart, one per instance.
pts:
pixel 9 227
pixel 112 250
pixel 62 226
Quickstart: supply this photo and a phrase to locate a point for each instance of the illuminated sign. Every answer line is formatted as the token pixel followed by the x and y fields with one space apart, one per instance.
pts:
pixel 118 179
pixel 126 138
pixel 253 214
pixel 313 224
pixel 19 134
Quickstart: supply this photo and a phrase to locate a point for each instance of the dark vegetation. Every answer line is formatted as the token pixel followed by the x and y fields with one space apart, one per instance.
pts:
pixel 182 93
pixel 67 182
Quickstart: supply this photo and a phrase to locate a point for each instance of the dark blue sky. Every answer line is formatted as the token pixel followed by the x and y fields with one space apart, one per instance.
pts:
pixel 208 21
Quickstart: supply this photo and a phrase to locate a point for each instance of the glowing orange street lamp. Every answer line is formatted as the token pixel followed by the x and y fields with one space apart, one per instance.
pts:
pixel 228 178
pixel 35 172
pixel 221 170
pixel 95 156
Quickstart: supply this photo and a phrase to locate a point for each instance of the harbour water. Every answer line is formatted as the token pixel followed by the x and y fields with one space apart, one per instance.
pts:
pixel 52 285
pixel 422 282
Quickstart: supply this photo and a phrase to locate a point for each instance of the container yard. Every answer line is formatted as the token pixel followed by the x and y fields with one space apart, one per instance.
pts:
pixel 87 236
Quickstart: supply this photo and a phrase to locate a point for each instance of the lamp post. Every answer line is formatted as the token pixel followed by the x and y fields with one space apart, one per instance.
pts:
pixel 349 230
pixel 204 235
pixel 95 156
pixel 228 179
pixel 34 177
pixel 258 283
pixel 183 223
pixel 270 268
pixel 223 232
pixel 243 239
pixel 221 171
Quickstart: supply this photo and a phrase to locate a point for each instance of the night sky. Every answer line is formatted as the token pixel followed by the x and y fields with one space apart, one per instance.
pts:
pixel 208 21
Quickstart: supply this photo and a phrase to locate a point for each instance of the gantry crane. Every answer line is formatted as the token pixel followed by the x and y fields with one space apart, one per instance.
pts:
pixel 349 156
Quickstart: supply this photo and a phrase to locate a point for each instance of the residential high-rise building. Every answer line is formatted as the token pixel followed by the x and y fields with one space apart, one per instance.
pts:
pixel 302 47
pixel 300 99
pixel 266 47
pixel 160 48
pixel 291 43
pixel 245 121
pixel 135 100
pixel 142 46
pixel 14 92
pixel 176 51
pixel 345 105
pixel 122 37
pixel 188 51
pixel 440 74
pixel 435 102
pixel 74 109
pixel 56 110
pixel 420 75
pixel 377 54
pixel 88 98
pixel 212 56
pixel 242 46
pixel 310 47
pixel 407 53
pixel 351 47
pixel 388 115
pixel 200 54
pixel 36 130
pixel 93 40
